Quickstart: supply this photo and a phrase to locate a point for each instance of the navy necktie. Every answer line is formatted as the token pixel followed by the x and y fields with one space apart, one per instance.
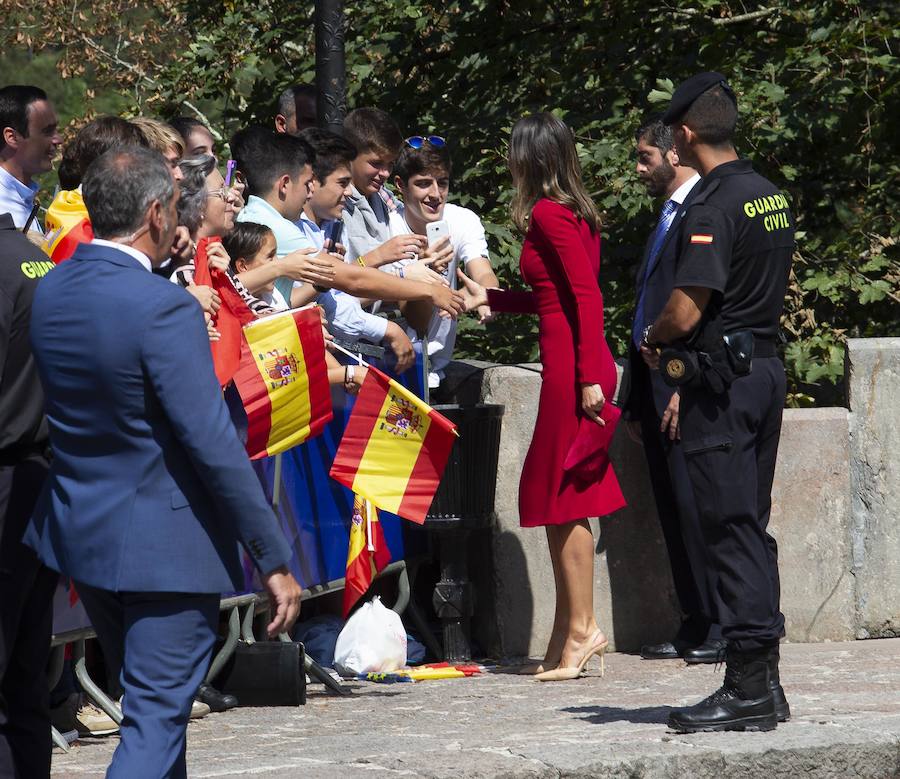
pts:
pixel 659 235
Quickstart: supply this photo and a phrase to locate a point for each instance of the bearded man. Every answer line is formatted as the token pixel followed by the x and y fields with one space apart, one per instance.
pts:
pixel 651 409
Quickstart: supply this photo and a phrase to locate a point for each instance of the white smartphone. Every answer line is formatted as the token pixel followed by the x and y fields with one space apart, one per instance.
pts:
pixel 436 230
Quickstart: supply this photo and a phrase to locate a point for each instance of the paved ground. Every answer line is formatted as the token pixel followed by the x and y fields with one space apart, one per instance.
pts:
pixel 846 723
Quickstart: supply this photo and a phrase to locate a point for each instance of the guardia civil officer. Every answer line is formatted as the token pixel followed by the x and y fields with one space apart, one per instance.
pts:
pixel 717 335
pixel 651 407
pixel 26 585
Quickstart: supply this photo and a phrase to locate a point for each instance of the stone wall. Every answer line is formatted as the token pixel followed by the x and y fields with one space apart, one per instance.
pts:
pixel 836 516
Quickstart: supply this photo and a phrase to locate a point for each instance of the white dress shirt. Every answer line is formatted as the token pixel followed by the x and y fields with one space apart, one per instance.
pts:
pixel 142 258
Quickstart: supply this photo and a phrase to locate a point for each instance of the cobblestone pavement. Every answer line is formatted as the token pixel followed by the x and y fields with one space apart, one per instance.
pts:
pixel 845 699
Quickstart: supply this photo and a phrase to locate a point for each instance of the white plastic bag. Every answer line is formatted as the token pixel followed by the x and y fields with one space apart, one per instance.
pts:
pixel 372 641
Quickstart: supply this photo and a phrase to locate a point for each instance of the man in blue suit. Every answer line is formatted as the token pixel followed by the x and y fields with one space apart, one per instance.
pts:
pixel 651 409
pixel 150 492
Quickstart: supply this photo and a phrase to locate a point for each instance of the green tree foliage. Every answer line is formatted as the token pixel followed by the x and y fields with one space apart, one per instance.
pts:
pixel 817 82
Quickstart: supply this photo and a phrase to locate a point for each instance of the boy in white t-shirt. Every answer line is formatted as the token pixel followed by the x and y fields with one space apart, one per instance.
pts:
pixel 422 176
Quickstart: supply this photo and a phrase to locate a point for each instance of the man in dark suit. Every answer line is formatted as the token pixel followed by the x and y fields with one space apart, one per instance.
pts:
pixel 651 409
pixel 150 492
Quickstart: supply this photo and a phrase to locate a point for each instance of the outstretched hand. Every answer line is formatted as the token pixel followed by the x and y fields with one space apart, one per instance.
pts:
pixel 473 293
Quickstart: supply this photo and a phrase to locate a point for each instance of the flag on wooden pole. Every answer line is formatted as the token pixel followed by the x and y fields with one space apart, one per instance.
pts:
pixel 394 449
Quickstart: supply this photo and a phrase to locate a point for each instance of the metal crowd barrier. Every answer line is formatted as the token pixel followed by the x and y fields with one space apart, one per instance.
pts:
pixel 242 611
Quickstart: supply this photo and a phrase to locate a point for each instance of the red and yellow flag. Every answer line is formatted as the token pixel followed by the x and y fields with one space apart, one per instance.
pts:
pixel 231 316
pixel 283 381
pixel 367 554
pixel 67 224
pixel 394 449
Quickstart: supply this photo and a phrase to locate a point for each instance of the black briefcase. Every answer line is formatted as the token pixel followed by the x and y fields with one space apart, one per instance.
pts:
pixel 265 673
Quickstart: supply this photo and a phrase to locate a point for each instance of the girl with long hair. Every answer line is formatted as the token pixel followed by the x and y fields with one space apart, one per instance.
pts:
pixel 560 261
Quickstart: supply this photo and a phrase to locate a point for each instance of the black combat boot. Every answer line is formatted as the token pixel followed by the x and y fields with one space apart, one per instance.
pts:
pixel 743 702
pixel 782 710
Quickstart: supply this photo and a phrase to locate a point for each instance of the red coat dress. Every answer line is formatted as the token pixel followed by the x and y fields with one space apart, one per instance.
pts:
pixel 560 261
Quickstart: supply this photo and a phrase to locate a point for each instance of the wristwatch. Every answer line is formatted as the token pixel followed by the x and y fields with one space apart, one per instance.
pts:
pixel 645 336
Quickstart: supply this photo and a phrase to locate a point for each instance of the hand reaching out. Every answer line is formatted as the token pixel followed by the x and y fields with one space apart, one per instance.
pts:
pixel 309 266
pixel 450 304
pixel 473 293
pixel 420 271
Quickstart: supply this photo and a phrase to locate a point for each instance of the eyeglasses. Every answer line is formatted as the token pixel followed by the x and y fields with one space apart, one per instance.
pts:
pixel 418 141
pixel 222 192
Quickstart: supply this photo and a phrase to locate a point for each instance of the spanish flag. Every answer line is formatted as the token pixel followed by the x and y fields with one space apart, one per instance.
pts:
pixel 67 224
pixel 368 552
pixel 394 449
pixel 231 316
pixel 283 381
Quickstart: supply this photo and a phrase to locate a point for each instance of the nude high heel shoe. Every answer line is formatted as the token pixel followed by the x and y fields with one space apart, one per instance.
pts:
pixel 533 669
pixel 562 674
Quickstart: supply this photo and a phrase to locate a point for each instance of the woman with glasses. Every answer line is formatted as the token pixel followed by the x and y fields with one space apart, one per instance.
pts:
pixel 566 477
pixel 206 209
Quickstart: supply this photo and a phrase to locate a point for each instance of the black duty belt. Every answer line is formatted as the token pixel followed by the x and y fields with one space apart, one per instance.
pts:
pixel 764 348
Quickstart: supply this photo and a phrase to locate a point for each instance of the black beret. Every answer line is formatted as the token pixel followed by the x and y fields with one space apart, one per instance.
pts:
pixel 689 90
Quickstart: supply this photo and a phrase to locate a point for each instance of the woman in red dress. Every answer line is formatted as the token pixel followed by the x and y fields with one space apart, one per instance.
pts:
pixel 560 261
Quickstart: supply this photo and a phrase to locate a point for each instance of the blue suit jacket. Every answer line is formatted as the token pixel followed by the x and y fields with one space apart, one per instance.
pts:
pixel 150 488
pixel 659 285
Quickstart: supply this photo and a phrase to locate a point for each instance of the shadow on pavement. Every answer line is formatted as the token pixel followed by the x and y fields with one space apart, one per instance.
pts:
pixel 599 715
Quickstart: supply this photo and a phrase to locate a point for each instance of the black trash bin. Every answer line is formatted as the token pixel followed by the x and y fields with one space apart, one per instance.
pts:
pixel 464 501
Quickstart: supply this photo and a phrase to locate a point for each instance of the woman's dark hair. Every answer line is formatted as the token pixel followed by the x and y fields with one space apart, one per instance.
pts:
pixel 92 141
pixel 244 242
pixel 332 151
pixel 192 188
pixel 544 163
pixel 185 125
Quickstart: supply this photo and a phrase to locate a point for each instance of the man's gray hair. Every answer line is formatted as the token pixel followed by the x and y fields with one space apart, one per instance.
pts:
pixel 120 185
pixel 192 201
pixel 655 133
pixel 287 100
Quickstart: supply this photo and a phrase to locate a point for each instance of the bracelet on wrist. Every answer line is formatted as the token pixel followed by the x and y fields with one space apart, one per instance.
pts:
pixel 362 260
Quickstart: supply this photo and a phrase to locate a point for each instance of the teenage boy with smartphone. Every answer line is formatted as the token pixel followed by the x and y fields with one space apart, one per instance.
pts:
pixel 422 176
pixel 279 170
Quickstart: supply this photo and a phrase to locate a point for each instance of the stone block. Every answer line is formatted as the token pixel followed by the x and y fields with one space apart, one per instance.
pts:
pixel 811 521
pixel 873 382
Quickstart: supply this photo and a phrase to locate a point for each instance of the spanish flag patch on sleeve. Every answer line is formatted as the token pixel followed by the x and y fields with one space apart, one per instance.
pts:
pixel 701 238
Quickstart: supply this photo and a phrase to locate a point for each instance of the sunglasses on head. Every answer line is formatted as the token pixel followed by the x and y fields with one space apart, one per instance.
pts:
pixel 418 141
